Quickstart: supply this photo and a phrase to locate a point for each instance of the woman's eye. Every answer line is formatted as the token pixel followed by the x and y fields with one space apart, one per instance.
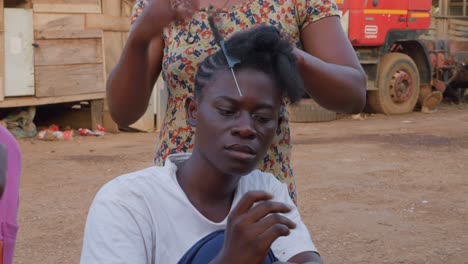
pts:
pixel 262 119
pixel 226 112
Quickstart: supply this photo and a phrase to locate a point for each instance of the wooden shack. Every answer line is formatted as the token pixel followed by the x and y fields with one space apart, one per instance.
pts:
pixel 59 51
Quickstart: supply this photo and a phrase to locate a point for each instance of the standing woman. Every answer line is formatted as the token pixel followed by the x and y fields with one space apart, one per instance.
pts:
pixel 174 36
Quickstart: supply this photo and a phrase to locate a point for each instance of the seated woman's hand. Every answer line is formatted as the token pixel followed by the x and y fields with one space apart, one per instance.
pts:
pixel 253 225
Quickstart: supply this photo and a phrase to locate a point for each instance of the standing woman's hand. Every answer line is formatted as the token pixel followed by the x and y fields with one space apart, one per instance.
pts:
pixel 166 11
pixel 253 225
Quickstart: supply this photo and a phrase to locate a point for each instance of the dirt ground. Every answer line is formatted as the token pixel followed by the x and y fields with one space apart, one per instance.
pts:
pixel 379 190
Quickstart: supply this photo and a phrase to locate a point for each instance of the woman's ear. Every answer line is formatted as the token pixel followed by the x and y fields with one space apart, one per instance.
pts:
pixel 191 108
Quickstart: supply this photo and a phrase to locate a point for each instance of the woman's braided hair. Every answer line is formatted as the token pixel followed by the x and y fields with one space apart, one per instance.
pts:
pixel 262 48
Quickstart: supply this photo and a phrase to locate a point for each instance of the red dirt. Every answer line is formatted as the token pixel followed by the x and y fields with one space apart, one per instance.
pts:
pixel 381 190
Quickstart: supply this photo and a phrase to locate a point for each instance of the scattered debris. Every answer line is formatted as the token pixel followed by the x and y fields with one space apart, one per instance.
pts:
pixel 426 110
pixel 53 133
pixel 100 131
pixel 358 117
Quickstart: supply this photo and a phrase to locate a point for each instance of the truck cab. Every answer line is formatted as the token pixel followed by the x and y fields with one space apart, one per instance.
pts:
pixel 369 22
pixel 386 36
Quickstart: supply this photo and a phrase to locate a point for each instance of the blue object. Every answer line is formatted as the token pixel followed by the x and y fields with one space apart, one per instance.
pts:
pixel 206 249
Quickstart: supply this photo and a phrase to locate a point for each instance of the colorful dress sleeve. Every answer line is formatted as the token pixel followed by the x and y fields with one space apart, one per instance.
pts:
pixel 310 11
pixel 138 8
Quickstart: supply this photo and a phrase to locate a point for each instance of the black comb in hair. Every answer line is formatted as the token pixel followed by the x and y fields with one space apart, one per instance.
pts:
pixel 221 43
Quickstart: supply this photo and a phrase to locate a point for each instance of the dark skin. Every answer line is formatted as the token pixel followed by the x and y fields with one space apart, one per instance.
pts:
pixel 329 66
pixel 233 134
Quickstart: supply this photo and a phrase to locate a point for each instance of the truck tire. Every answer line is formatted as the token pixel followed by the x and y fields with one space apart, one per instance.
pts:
pixel 398 85
pixel 308 111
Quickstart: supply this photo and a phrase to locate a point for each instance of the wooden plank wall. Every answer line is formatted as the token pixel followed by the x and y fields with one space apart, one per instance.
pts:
pixel 74 36
pixel 68 56
pixel 67 6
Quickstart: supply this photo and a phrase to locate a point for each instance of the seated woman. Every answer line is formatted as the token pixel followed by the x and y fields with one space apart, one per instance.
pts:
pixel 212 206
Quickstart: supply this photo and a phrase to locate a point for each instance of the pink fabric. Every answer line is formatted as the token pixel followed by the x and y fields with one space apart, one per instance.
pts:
pixel 10 199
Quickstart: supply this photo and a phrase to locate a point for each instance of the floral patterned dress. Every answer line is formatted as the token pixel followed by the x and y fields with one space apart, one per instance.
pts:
pixel 188 44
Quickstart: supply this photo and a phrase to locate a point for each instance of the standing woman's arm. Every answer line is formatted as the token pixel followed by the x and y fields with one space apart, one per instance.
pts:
pixel 131 82
pixel 330 68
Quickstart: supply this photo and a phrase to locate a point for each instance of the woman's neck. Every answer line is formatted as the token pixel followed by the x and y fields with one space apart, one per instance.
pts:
pixel 210 191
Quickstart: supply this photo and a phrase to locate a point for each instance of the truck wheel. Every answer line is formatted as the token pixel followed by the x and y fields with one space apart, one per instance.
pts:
pixel 398 85
pixel 307 111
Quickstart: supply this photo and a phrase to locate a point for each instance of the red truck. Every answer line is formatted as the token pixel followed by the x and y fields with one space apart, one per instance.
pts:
pixel 399 48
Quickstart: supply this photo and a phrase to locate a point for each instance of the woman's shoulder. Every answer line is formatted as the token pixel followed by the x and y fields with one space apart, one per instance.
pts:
pixel 309 11
pixel 138 183
pixel 259 180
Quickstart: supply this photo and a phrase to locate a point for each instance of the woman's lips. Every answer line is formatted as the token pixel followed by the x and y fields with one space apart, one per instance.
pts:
pixel 241 151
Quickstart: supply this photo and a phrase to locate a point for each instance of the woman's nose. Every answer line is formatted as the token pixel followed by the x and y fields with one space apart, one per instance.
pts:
pixel 244 127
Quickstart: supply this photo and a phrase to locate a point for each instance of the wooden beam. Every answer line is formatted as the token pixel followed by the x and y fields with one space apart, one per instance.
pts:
pixel 31 101
pixel 108 22
pixel 2 25
pixel 67 34
pixel 458 22
pixel 67 6
pixel 68 51
pixel 54 22
pixel 459 28
pixel 113 47
pixel 460 34
pixel 97 108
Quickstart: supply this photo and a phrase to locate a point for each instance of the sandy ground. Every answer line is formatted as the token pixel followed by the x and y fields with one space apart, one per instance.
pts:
pixel 379 190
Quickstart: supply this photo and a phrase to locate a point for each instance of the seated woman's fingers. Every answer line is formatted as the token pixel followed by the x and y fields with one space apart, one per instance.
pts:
pixel 264 208
pixel 272 232
pixel 247 201
pixel 265 224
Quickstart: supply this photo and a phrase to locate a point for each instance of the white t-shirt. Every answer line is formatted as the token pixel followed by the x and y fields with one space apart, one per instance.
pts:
pixel 145 217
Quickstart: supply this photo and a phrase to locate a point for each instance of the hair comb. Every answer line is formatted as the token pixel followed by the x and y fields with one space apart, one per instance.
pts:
pixel 221 43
